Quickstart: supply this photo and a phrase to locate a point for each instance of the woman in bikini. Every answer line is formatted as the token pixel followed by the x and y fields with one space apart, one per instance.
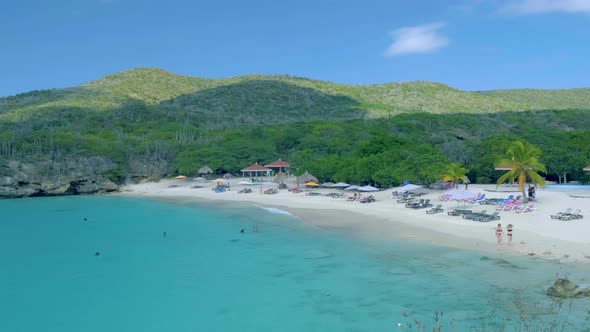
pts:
pixel 499 233
pixel 509 233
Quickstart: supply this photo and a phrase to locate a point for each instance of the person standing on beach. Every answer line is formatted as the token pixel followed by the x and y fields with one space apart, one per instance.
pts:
pixel 499 233
pixel 509 233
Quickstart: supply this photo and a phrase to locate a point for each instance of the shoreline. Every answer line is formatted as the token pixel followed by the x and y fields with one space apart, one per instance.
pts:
pixel 536 235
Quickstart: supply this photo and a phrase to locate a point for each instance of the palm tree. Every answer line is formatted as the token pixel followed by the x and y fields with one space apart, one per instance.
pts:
pixel 523 158
pixel 454 173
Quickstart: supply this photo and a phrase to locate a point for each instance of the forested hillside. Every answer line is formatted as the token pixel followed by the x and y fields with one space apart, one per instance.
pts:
pixel 149 123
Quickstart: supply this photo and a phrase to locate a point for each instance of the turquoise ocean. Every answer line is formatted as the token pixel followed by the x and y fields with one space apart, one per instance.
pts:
pixel 289 276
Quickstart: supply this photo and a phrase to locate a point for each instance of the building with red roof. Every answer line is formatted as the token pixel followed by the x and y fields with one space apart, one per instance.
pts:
pixel 256 170
pixel 278 165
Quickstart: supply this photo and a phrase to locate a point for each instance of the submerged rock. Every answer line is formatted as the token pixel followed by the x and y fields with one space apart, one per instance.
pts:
pixel 564 288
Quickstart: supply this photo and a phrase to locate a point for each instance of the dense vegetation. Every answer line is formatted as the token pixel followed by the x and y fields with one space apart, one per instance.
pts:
pixel 379 134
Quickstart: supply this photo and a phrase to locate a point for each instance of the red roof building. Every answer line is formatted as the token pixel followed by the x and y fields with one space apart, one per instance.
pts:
pixel 256 170
pixel 278 164
pixel 256 167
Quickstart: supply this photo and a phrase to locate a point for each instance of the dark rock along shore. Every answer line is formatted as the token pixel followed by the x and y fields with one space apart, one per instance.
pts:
pixel 74 176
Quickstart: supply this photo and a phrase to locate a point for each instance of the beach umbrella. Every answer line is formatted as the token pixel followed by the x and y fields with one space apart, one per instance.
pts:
pixel 353 187
pixel 311 184
pixel 227 176
pixel 218 180
pixel 409 187
pixel 340 185
pixel 180 177
pixel 461 195
pixel 200 179
pixel 328 184
pixel 367 188
pixel 248 183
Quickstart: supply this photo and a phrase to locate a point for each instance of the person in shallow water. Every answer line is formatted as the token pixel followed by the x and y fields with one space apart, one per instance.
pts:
pixel 97 254
pixel 242 231
pixel 509 233
pixel 499 233
pixel 164 234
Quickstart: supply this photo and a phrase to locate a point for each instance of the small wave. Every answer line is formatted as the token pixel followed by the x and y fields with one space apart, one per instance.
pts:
pixel 276 211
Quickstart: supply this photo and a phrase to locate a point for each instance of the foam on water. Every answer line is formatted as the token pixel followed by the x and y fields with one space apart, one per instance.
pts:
pixel 275 210
pixel 207 276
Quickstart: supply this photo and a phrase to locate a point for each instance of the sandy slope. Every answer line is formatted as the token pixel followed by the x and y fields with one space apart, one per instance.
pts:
pixel 535 233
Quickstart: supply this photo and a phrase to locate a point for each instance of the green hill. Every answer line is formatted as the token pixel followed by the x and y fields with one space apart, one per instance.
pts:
pixel 291 98
pixel 545 99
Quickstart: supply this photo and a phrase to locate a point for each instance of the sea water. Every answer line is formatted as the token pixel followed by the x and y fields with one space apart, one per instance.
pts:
pixel 205 275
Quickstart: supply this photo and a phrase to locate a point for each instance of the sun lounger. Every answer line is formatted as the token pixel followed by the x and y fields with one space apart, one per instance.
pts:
pixel 487 217
pixel 474 215
pixel 571 216
pixel 458 212
pixel 525 209
pixel 559 214
pixel 437 209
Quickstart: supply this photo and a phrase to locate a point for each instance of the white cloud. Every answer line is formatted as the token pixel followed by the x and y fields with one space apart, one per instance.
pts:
pixel 417 40
pixel 548 6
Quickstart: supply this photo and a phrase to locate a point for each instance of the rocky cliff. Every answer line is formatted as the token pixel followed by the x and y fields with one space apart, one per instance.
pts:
pixel 72 176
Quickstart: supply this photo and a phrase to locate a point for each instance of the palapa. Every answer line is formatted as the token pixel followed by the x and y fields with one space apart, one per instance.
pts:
pixel 306 177
pixel 205 170
pixel 280 178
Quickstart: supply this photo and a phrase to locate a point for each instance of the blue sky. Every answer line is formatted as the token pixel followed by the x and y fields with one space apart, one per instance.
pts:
pixel 468 44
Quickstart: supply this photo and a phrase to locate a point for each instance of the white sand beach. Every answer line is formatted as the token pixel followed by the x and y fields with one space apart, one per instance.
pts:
pixel 535 233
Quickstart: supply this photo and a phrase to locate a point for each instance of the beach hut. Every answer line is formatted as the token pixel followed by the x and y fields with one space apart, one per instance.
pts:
pixel 306 177
pixel 205 170
pixel 278 165
pixel 256 170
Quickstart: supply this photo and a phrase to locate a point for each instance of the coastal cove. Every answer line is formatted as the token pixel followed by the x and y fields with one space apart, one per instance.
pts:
pixel 536 234
pixel 293 274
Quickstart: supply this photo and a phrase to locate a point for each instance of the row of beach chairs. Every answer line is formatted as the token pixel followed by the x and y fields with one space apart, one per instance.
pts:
pixel 482 216
pixel 568 215
pixel 516 206
pixel 422 204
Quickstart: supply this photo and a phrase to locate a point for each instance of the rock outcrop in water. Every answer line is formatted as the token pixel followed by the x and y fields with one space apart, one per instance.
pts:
pixel 566 289
pixel 73 176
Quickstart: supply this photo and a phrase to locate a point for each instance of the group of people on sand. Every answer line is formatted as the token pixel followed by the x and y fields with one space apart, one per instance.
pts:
pixel 500 233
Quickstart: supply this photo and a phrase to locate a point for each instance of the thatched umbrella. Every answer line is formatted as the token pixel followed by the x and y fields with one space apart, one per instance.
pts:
pixel 280 178
pixel 306 177
pixel 205 170
pixel 227 176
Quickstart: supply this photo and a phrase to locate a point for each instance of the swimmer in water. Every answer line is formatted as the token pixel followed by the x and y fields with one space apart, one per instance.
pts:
pixel 164 235
pixel 242 231
pixel 97 254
